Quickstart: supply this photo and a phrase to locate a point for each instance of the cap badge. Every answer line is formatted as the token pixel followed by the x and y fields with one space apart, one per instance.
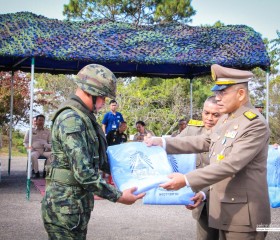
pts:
pixel 214 77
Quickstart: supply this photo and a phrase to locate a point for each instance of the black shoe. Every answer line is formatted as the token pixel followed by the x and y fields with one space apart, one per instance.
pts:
pixel 44 174
pixel 37 175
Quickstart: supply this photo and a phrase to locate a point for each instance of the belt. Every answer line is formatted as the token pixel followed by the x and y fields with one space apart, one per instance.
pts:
pixel 63 176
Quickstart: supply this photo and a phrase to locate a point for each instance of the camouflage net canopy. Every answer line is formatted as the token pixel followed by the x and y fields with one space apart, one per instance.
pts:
pixel 159 50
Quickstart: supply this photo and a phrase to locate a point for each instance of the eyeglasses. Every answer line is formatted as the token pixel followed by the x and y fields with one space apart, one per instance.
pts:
pixel 223 92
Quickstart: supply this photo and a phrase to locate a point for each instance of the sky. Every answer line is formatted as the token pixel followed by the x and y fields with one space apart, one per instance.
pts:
pixel 262 15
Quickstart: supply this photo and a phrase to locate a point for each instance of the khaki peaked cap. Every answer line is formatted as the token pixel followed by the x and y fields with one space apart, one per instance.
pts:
pixel 225 77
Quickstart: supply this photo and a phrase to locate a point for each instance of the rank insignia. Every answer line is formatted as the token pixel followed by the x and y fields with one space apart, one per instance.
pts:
pixel 197 123
pixel 250 115
pixel 231 134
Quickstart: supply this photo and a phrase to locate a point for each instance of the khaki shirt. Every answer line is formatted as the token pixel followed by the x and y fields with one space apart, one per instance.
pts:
pixel 202 160
pixel 238 147
pixel 41 139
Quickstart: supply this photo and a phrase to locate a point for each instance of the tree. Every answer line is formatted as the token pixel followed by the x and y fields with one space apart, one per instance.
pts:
pixel 160 103
pixel 275 53
pixel 274 109
pixel 21 97
pixel 52 90
pixel 131 11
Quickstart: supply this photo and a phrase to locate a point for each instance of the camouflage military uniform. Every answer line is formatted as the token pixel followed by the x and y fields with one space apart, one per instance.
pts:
pixel 74 175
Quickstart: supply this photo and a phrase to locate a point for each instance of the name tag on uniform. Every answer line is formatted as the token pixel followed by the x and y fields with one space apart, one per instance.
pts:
pixel 231 134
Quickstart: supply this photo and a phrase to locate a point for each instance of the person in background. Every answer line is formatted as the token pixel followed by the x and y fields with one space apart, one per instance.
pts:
pixel 112 119
pixel 79 152
pixel 238 149
pixel 259 106
pixel 210 116
pixel 182 125
pixel 118 136
pixel 1 138
pixel 41 144
pixel 142 132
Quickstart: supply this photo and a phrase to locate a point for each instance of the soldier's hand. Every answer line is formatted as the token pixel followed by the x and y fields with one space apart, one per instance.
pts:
pixel 128 197
pixel 153 141
pixel 177 181
pixel 198 199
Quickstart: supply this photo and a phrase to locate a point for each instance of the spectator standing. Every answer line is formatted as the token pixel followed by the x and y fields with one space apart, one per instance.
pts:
pixel 259 106
pixel 118 136
pixel 182 125
pixel 41 144
pixel 112 119
pixel 142 132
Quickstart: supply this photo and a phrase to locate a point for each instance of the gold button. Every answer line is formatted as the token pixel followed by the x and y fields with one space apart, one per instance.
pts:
pixel 232 199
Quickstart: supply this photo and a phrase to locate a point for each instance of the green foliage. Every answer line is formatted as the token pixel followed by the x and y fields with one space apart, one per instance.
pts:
pixel 274 109
pixel 52 90
pixel 21 99
pixel 174 11
pixel 17 143
pixel 160 103
pixel 274 53
pixel 132 11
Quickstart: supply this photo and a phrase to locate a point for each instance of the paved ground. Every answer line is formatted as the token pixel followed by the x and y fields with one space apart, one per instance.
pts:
pixel 20 219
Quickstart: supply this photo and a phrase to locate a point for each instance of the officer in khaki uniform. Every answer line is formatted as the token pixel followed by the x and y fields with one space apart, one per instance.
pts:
pixel 41 139
pixel 210 116
pixel 238 147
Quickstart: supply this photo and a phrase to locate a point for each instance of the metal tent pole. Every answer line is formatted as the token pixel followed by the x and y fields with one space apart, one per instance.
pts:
pixel 11 123
pixel 267 96
pixel 30 130
pixel 191 98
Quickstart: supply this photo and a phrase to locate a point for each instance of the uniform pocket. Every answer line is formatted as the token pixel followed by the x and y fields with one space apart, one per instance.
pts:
pixel 235 209
pixel 70 213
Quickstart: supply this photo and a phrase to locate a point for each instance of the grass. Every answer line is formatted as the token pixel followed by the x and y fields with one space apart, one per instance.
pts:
pixel 15 152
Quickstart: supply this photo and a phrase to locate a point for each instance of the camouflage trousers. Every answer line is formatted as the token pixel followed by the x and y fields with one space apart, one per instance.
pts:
pixel 64 216
pixel 65 226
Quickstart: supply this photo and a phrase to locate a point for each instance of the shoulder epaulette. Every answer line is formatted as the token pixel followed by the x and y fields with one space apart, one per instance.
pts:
pixel 250 115
pixel 197 123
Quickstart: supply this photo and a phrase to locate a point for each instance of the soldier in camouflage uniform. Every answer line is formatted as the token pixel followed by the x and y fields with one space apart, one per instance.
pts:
pixel 79 151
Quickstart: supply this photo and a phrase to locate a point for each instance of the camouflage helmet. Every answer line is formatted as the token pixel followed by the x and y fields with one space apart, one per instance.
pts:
pixel 258 104
pixel 96 80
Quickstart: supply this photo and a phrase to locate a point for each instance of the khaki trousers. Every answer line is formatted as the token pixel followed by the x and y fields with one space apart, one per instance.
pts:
pixel 226 235
pixel 35 155
pixel 203 231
